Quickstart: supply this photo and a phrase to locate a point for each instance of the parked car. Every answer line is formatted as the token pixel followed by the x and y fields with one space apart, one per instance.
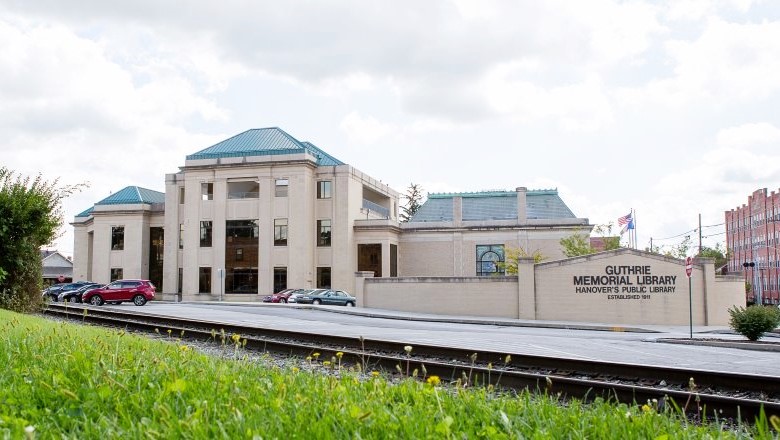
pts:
pixel 283 296
pixel 74 294
pixel 137 291
pixel 298 295
pixel 53 292
pixel 328 297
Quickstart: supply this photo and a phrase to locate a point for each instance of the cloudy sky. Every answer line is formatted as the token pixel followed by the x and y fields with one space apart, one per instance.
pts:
pixel 663 107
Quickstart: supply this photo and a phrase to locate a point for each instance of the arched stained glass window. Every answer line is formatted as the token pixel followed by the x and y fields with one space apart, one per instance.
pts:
pixel 489 258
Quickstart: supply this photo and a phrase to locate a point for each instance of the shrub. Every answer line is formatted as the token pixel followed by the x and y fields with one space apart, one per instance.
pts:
pixel 754 321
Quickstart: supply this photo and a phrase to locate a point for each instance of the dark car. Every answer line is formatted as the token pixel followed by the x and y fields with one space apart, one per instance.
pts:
pixel 281 297
pixel 137 291
pixel 53 292
pixel 328 297
pixel 73 295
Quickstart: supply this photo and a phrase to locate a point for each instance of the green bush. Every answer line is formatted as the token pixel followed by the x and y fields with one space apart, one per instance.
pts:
pixel 754 321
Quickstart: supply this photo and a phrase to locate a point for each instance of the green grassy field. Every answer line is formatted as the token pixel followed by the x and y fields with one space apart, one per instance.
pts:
pixel 61 380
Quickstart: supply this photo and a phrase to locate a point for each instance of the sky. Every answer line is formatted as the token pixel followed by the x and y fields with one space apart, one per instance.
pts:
pixel 666 108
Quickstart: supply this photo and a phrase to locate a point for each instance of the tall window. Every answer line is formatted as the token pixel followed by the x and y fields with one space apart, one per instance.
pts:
pixel 280 279
pixel 243 190
pixel 241 256
pixel 117 238
pixel 207 191
pixel 116 273
pixel 280 232
pixel 205 234
pixel 204 280
pixel 181 235
pixel 156 248
pixel 181 279
pixel 181 195
pixel 370 258
pixel 281 187
pixel 324 189
pixel 323 232
pixel 489 259
pixel 323 277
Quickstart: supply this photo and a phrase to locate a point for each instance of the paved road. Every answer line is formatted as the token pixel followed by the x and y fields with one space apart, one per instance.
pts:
pixel 585 341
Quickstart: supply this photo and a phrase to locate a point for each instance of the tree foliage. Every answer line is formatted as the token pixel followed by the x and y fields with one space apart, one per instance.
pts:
pixel 414 197
pixel 579 244
pixel 30 217
pixel 513 254
pixel 717 253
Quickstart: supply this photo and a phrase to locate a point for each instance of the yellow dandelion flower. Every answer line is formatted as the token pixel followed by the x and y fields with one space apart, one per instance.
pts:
pixel 316 355
pixel 339 355
pixel 375 373
pixel 646 408
pixel 433 380
pixel 295 369
pixel 326 363
pixel 235 337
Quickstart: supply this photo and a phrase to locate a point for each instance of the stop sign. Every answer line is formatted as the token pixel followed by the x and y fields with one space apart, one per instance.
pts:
pixel 688 266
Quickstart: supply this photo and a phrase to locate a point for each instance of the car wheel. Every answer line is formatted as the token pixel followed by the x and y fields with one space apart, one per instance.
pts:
pixel 96 300
pixel 72 299
pixel 316 302
pixel 283 301
pixel 139 300
pixel 350 304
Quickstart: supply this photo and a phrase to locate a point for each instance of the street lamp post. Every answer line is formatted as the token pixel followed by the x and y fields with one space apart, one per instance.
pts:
pixel 750 265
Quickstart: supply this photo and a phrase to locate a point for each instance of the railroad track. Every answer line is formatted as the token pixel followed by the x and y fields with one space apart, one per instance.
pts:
pixel 705 394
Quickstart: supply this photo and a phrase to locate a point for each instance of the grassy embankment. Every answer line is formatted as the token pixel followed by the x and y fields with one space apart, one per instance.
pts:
pixel 65 380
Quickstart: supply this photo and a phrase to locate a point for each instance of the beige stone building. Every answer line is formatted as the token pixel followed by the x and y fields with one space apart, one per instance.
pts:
pixel 263 211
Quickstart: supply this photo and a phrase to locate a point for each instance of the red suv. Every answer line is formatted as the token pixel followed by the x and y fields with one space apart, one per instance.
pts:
pixel 138 291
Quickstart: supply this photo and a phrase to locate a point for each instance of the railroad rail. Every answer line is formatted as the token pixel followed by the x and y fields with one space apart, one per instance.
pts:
pixel 705 394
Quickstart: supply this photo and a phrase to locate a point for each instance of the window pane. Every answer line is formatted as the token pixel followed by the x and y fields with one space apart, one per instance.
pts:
pixel 281 187
pixel 243 190
pixel 117 238
pixel 207 191
pixel 280 232
pixel 116 273
pixel 204 280
pixel 323 277
pixel 205 234
pixel 323 232
pixel 324 189
pixel 181 195
pixel 181 235
pixel 241 256
pixel 490 259
pixel 280 279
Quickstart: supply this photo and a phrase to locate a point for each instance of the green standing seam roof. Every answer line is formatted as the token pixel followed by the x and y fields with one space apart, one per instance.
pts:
pixel 130 195
pixel 263 142
pixel 493 205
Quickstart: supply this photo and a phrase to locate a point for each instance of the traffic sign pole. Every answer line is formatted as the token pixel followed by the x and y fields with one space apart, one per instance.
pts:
pixel 688 272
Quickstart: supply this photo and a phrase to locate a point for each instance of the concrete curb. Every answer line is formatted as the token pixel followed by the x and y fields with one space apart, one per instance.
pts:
pixel 740 345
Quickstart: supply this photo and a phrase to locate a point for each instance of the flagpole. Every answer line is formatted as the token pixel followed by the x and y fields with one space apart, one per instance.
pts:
pixel 633 217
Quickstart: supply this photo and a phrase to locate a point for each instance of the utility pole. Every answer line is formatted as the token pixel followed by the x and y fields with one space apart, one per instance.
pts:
pixel 699 234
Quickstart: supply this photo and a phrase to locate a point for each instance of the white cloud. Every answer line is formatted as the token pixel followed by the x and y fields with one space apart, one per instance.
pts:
pixel 364 129
pixel 747 135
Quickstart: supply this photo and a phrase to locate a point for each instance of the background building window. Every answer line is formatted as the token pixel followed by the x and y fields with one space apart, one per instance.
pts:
pixel 280 232
pixel 323 277
pixel 181 235
pixel 181 195
pixel 116 273
pixel 207 191
pixel 324 189
pixel 117 238
pixel 204 280
pixel 370 258
pixel 280 279
pixel 181 279
pixel 281 187
pixel 205 234
pixel 323 232
pixel 490 259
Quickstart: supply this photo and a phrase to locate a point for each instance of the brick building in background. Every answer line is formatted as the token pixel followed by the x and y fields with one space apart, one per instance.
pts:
pixel 753 242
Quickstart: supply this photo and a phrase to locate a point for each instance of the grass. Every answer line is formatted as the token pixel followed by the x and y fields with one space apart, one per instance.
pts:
pixel 61 380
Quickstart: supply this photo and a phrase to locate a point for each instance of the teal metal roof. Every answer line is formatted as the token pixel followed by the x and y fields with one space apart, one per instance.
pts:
pixel 133 195
pixel 263 142
pixel 85 213
pixel 493 205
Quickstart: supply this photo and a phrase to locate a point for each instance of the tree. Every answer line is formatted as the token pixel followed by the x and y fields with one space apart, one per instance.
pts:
pixel 717 253
pixel 30 217
pixel 414 197
pixel 513 254
pixel 578 243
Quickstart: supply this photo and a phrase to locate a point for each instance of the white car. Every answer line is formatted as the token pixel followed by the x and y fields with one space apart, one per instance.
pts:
pixel 294 297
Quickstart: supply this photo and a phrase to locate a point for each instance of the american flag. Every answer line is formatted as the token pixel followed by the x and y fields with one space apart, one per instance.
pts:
pixel 626 219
